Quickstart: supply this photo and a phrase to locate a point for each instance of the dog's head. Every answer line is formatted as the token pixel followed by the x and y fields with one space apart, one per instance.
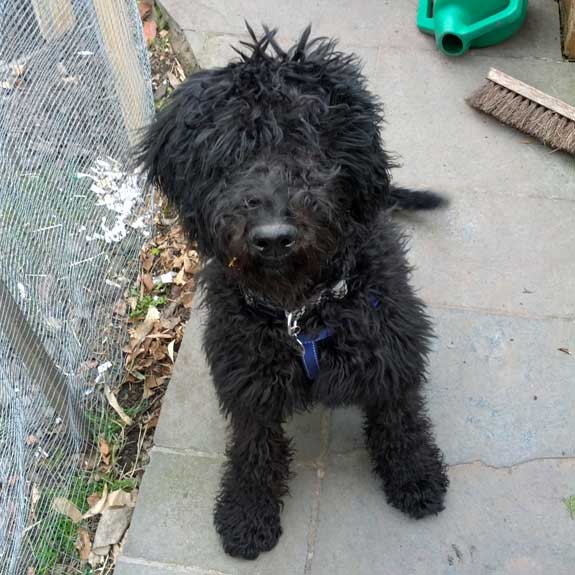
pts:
pixel 275 163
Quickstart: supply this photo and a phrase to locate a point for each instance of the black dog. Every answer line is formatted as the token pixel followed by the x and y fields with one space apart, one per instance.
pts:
pixel 277 167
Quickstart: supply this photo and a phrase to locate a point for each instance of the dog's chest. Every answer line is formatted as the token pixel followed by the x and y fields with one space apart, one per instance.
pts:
pixel 332 348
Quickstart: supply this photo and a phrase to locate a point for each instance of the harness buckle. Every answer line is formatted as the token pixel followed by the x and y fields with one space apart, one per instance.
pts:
pixel 294 329
pixel 292 324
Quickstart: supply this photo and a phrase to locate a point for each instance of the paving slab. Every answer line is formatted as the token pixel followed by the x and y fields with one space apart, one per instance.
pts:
pixel 173 521
pixel 498 253
pixel 490 397
pixel 509 521
pixel 190 416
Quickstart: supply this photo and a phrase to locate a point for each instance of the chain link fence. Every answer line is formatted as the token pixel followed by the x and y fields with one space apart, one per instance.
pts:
pixel 74 91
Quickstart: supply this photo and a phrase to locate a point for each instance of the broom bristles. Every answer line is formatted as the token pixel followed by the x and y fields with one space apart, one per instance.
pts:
pixel 551 128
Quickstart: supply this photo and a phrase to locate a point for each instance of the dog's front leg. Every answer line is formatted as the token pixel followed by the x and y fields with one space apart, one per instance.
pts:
pixel 247 514
pixel 405 455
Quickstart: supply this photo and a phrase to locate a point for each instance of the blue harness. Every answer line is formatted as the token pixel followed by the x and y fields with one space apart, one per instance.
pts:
pixel 310 358
pixel 308 343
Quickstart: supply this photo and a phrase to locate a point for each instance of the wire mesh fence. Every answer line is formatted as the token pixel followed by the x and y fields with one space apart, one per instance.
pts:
pixel 74 90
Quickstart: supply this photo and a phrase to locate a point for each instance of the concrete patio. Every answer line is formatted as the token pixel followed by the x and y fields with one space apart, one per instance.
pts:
pixel 498 271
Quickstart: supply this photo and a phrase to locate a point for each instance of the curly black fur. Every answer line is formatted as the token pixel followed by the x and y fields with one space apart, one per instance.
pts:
pixel 294 137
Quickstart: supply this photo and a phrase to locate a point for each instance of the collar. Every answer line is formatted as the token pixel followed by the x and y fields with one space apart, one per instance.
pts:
pixel 335 292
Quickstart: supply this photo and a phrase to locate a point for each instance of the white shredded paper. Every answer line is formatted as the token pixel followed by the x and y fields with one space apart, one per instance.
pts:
pixel 102 369
pixel 167 278
pixel 22 291
pixel 119 191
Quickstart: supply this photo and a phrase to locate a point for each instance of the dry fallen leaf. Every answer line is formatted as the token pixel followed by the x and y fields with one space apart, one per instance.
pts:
pixel 180 71
pixel 170 323
pixel 178 262
pixel 153 422
pixel 120 308
pixel 31 440
pixel 157 335
pixel 104 449
pixel 111 528
pixel 187 300
pixel 180 279
pixel 161 91
pixel 151 383
pixel 147 262
pixel 93 499
pixel 174 81
pixel 188 265
pixel 83 544
pixel 95 560
pixel 117 549
pixel 132 302
pixel 67 508
pixel 34 498
pixel 147 282
pixel 144 328
pixel 158 353
pixel 145 9
pixel 158 381
pixel 98 505
pixel 146 391
pixel 113 401
pixel 171 350
pixel 119 498
pixel 150 29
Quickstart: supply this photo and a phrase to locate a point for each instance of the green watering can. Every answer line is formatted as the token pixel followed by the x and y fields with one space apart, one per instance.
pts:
pixel 462 24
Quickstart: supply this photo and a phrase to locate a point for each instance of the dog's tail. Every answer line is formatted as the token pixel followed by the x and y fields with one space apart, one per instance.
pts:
pixel 413 200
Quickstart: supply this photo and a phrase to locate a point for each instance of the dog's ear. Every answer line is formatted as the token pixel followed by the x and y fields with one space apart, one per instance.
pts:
pixel 369 167
pixel 353 124
pixel 364 165
pixel 175 154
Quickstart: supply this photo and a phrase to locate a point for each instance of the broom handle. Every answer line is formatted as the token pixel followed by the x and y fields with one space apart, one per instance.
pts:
pixel 532 93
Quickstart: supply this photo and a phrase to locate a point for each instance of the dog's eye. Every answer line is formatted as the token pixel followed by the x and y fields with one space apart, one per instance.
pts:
pixel 252 203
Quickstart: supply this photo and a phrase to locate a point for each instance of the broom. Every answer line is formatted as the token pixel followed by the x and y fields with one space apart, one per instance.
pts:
pixel 523 107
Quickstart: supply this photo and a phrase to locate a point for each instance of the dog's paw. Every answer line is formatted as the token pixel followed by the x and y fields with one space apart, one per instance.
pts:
pixel 420 496
pixel 247 525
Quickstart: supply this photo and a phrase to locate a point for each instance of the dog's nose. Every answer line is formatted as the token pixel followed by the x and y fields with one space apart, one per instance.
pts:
pixel 273 240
